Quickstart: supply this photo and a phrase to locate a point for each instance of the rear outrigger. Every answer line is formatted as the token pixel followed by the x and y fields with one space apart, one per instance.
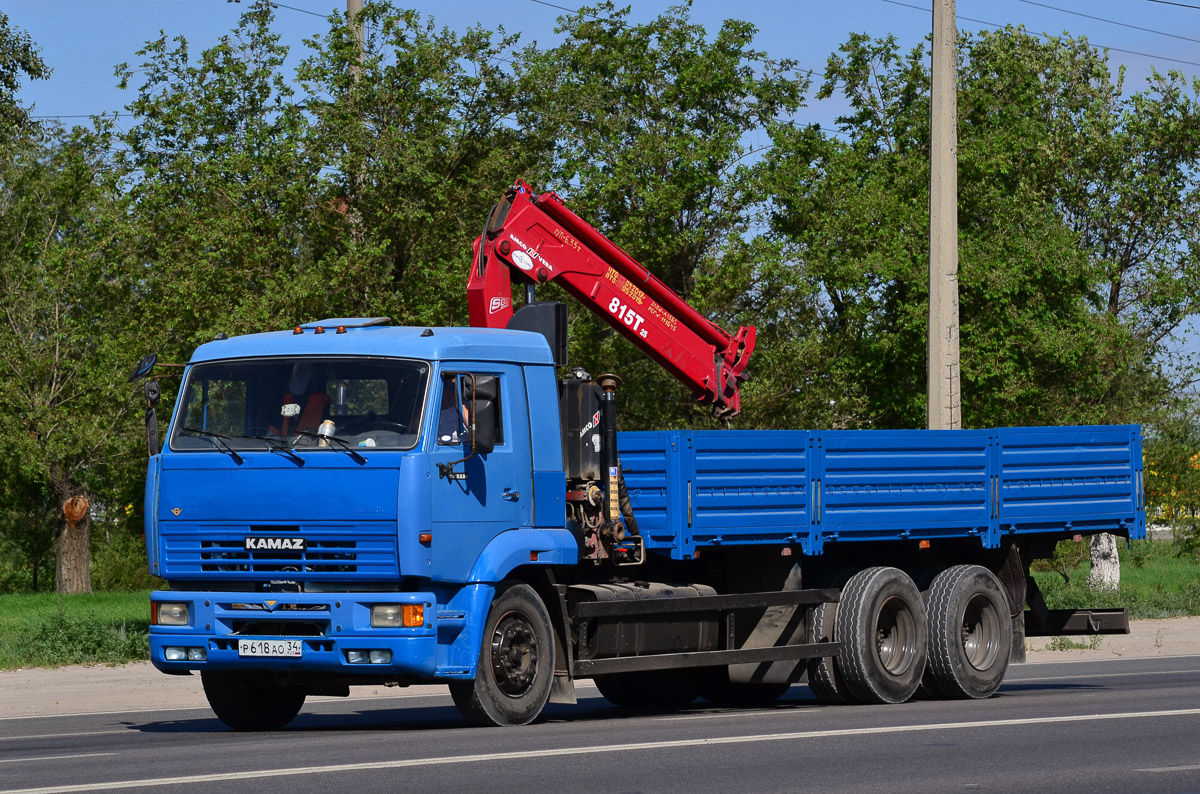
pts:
pixel 354 503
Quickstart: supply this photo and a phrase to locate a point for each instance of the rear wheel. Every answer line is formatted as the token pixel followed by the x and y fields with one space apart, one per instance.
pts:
pixel 251 701
pixel 970 633
pixel 882 635
pixel 824 677
pixel 516 663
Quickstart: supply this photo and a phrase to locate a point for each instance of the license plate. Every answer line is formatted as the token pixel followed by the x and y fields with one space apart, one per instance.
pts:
pixel 268 647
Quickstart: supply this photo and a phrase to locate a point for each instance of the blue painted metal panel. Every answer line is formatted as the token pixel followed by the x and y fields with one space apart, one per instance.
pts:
pixel 750 487
pixel 480 344
pixel 497 494
pixel 656 469
pixel 150 515
pixel 517 547
pixel 895 484
pixel 696 489
pixel 1071 479
pixel 545 444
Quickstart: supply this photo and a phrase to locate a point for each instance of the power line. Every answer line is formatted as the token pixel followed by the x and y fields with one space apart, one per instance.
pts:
pixel 290 8
pixel 1043 35
pixel 1109 21
pixel 1170 3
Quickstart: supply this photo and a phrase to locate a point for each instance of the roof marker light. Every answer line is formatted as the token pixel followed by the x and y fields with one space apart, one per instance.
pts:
pixel 320 329
pixel 341 329
pixel 297 330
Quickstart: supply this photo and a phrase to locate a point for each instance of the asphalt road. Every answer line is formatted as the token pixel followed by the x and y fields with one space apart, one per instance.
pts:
pixel 1111 725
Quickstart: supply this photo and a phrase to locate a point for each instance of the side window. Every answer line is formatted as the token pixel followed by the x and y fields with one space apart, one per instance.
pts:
pixel 454 413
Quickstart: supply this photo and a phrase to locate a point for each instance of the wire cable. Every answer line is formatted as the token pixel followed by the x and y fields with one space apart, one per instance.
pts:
pixel 1043 35
pixel 1109 21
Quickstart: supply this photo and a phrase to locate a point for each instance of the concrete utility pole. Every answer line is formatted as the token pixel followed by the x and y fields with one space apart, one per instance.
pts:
pixel 353 7
pixel 944 405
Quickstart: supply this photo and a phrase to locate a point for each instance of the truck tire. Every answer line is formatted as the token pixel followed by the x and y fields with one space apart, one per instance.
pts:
pixel 970 633
pixel 824 677
pixel 250 701
pixel 516 662
pixel 882 634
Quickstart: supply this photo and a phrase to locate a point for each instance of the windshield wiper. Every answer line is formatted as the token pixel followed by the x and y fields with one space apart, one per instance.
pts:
pixel 343 444
pixel 219 440
pixel 278 446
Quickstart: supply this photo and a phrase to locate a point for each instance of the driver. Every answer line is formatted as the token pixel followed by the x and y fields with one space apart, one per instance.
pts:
pixel 299 382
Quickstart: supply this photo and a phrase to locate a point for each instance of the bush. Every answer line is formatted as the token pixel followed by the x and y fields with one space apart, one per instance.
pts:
pixel 49 630
pixel 119 563
pixel 88 639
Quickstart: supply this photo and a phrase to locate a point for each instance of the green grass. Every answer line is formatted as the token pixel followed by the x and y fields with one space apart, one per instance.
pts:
pixel 1156 582
pixel 50 630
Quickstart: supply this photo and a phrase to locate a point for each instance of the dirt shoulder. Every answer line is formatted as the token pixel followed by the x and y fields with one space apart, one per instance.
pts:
pixel 132 687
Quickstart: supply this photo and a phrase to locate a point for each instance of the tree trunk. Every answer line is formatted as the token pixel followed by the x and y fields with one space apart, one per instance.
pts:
pixel 1106 567
pixel 72 550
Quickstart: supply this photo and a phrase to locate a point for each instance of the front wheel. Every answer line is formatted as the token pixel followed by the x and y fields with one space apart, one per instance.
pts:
pixel 882 636
pixel 251 701
pixel 516 663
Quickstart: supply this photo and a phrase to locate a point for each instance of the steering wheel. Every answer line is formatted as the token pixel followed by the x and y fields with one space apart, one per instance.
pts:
pixel 381 424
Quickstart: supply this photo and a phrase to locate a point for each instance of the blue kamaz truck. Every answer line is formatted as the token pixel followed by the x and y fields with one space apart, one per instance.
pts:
pixel 350 502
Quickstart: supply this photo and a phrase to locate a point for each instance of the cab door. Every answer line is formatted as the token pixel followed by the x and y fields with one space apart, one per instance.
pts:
pixel 475 499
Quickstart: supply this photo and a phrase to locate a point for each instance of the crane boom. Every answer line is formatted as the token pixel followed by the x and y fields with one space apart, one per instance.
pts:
pixel 535 239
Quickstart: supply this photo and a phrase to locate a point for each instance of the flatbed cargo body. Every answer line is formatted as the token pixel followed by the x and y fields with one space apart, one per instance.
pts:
pixel 693 490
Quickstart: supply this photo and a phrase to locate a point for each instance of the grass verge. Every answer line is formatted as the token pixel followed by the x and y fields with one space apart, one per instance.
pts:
pixel 50 630
pixel 1156 582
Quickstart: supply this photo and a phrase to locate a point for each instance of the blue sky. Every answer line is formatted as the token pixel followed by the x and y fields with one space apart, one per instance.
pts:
pixel 84 39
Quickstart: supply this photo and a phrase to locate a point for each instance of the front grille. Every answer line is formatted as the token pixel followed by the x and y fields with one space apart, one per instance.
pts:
pixel 277 628
pixel 322 556
pixel 366 551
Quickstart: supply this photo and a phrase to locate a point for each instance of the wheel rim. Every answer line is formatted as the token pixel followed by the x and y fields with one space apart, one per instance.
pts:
pixel 514 654
pixel 896 636
pixel 981 632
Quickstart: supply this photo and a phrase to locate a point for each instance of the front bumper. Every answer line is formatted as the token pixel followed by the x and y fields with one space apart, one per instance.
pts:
pixel 328 627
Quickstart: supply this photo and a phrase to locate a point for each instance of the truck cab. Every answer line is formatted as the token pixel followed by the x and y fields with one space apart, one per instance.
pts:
pixel 341 497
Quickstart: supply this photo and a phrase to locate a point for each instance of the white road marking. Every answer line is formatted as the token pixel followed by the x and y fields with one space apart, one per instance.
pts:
pixel 1188 768
pixel 50 758
pixel 159 782
pixel 60 735
pixel 1131 674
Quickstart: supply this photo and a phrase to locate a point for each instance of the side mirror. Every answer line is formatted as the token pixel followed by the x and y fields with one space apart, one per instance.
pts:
pixel 479 395
pixel 143 367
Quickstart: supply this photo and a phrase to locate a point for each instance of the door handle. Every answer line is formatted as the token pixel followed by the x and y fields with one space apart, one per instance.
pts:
pixel 510 495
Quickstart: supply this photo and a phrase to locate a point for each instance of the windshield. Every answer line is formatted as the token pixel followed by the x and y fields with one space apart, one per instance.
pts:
pixel 305 403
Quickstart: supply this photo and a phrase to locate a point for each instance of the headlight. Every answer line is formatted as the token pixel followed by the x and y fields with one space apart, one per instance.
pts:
pixel 392 616
pixel 171 613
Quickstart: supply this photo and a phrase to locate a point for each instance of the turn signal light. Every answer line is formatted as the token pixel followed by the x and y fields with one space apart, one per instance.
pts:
pixel 414 615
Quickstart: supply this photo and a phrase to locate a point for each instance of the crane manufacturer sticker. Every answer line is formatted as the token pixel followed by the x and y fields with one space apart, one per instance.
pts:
pixel 528 256
pixel 522 260
pixel 594 423
pixel 498 304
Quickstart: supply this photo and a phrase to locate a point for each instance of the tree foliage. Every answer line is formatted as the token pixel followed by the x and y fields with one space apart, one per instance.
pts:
pixel 255 188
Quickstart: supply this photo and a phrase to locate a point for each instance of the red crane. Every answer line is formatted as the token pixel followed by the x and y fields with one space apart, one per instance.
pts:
pixel 535 239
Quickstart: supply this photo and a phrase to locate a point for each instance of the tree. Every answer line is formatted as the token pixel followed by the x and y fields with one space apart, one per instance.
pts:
pixel 19 59
pixel 419 138
pixel 63 348
pixel 221 187
pixel 654 124
pixel 1076 260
